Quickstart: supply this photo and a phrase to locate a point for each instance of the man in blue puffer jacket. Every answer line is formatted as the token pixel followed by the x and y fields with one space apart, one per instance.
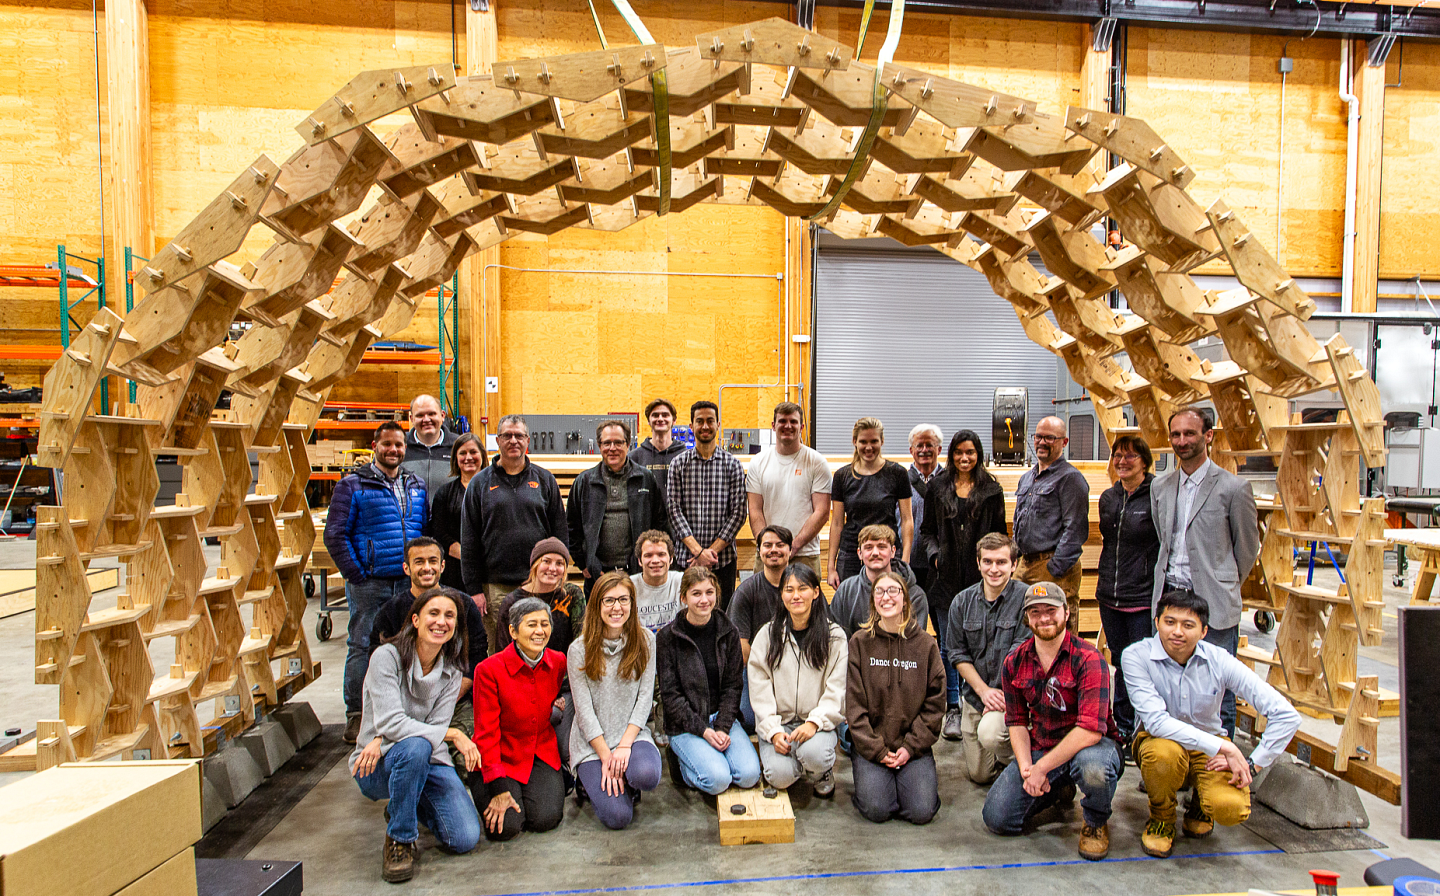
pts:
pixel 373 513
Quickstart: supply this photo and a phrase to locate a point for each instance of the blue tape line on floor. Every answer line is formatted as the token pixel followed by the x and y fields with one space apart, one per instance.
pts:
pixel 779 878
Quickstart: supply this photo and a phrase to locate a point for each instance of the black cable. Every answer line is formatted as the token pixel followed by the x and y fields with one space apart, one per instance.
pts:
pixel 454 49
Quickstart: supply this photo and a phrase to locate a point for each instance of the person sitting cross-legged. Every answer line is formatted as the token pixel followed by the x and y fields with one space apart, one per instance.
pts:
pixel 1057 704
pixel 1176 681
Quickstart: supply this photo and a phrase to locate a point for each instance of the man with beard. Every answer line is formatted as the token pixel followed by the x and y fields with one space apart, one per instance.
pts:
pixel 1052 517
pixel 1209 535
pixel 706 499
pixel 1057 706
pixel 850 607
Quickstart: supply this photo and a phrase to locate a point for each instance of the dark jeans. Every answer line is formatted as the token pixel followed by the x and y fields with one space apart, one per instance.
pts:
pixel 364 600
pixel 848 564
pixel 1228 638
pixel 422 792
pixel 1094 770
pixel 643 773
pixel 541 801
pixel 941 621
pixel 910 792
pixel 1121 630
pixel 726 575
pixel 747 712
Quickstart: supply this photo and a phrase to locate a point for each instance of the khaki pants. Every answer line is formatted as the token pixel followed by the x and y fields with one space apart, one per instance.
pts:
pixel 1034 570
pixel 494 596
pixel 812 561
pixel 1166 767
pixel 985 742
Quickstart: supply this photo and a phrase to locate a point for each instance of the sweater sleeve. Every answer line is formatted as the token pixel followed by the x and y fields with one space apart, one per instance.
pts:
pixel 586 718
pixel 444 522
pixel 472 551
pixel 925 730
pixel 337 531
pixel 645 690
pixel 384 686
pixel 680 716
pixel 762 687
pixel 862 732
pixel 830 711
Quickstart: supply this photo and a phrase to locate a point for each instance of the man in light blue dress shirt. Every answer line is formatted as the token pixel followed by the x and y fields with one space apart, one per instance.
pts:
pixel 1176 682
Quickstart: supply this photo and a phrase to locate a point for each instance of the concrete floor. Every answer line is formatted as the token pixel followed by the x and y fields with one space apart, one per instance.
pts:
pixel 672 846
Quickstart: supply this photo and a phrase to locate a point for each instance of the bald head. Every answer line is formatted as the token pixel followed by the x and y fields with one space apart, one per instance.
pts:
pixel 1050 441
pixel 426 418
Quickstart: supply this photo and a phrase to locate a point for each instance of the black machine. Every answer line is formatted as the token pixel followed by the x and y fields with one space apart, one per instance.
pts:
pixel 1008 422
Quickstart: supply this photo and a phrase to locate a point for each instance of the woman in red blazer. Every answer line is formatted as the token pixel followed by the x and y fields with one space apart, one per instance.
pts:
pixel 520 784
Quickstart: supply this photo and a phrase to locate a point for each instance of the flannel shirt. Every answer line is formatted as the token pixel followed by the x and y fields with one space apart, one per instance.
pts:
pixel 1075 693
pixel 706 499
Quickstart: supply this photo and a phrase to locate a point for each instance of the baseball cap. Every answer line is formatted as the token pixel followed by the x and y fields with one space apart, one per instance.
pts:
pixel 1044 593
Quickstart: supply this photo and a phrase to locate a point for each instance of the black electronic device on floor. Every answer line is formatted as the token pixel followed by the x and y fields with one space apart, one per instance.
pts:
pixel 247 877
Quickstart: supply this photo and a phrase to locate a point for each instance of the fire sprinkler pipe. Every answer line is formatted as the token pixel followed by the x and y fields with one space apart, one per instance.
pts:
pixel 1352 129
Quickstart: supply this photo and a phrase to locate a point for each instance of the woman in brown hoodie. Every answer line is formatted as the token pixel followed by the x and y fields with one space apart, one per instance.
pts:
pixel 895 705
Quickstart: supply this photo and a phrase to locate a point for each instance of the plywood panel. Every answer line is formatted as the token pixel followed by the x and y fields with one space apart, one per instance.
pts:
pixel 1409 186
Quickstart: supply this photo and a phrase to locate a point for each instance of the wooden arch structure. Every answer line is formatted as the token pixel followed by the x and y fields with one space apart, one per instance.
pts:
pixel 766 113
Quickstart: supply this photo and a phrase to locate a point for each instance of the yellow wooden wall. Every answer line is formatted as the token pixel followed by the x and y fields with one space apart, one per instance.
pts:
pixel 229 81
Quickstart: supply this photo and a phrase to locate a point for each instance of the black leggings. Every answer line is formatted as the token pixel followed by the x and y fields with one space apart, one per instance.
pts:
pixel 541 801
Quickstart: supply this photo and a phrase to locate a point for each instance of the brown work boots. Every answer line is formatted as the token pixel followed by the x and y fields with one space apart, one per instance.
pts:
pixel 1095 842
pixel 399 861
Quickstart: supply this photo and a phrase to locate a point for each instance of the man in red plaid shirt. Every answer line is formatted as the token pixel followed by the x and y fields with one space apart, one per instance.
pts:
pixel 1057 707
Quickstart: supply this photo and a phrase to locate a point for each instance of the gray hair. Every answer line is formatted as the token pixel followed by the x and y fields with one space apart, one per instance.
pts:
pixel 927 429
pixel 524 607
pixel 512 418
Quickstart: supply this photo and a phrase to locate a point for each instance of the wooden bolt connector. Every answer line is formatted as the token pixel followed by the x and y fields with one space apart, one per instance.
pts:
pixel 433 77
pixel 716 45
pixel 615 68
pixel 316 127
pixel 154 275
pixel 648 61
pixel 803 48
pixel 346 109
pixel 1112 127
pixel 544 75
pixel 833 57
pixel 401 84
pixel 747 43
pixel 927 90
pixel 510 76
pixel 1157 152
pixel 992 105
pixel 236 203
pixel 1083 122
pixel 183 253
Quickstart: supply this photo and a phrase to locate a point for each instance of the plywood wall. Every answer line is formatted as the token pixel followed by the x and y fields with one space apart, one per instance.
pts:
pixel 230 81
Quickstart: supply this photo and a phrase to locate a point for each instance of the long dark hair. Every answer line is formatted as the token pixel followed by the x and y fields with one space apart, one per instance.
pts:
pixel 979 476
pixel 814 641
pixel 454 650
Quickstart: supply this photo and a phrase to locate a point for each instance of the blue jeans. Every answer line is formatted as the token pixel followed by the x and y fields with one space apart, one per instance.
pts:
pixel 706 768
pixel 1228 638
pixel 1095 770
pixel 747 712
pixel 941 621
pixel 423 792
pixel 364 600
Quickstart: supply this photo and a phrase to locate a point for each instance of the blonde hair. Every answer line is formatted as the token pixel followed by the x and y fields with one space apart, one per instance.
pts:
pixel 860 426
pixel 907 613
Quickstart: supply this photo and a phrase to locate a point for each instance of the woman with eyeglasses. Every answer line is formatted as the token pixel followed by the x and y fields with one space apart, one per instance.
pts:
pixel 612 683
pixel 797 685
pixel 895 705
pixel 1130 549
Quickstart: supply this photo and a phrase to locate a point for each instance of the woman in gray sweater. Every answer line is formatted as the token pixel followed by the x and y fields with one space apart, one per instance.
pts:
pixel 409 698
pixel 612 682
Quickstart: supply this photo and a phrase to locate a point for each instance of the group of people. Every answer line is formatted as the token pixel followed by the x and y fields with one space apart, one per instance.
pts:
pixel 517 686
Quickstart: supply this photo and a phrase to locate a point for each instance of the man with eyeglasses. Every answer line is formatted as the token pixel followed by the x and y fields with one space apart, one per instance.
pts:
pixel 925 456
pixel 1057 706
pixel 1052 517
pixel 610 505
pixel 508 508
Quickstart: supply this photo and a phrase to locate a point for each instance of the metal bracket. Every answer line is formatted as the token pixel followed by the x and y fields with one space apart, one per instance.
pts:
pixel 140 756
pixel 295 665
pixel 1302 753
pixel 1103 35
pixel 232 704
pixel 480 5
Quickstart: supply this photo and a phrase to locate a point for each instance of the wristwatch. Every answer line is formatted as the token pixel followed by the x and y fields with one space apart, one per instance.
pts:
pixel 1253 770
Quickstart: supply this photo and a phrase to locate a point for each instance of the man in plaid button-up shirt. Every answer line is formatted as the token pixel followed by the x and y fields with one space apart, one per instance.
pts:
pixel 705 497
pixel 1057 706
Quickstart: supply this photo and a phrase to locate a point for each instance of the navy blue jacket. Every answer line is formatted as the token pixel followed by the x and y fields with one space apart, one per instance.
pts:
pixel 364 532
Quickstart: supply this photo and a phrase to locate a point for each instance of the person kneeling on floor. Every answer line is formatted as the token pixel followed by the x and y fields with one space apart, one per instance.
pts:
pixel 612 683
pixel 895 705
pixel 408 698
pixel 797 685
pixel 520 786
pixel 1176 682
pixel 697 661
pixel 1057 706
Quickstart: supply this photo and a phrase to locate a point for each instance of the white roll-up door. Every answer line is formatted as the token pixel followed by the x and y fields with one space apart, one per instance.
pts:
pixel 914 337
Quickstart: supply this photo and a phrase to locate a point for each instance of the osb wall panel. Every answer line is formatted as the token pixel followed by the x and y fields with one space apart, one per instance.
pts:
pixel 1410 182
pixel 1216 98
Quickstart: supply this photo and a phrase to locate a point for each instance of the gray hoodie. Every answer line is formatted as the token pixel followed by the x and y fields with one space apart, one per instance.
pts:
pixel 851 604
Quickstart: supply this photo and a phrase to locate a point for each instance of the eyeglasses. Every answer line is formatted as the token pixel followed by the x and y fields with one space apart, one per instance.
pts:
pixel 1044 438
pixel 512 437
pixel 610 602
pixel 1127 457
pixel 892 591
pixel 613 443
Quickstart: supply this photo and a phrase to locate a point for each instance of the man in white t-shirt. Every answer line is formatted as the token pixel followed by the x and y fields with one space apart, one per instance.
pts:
pixel 657 586
pixel 789 485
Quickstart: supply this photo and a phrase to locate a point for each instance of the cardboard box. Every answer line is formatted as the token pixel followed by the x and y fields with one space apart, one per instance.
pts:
pixel 174 878
pixel 92 829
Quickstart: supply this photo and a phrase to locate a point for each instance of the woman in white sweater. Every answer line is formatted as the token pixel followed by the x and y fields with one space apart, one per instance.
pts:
pixel 612 681
pixel 409 698
pixel 797 685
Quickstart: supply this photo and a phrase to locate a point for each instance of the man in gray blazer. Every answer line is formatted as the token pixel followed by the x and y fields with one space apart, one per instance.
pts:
pixel 1209 533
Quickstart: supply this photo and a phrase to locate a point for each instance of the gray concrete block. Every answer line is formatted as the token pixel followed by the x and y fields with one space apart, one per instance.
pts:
pixel 268 745
pixel 234 773
pixel 1311 798
pixel 212 803
pixel 299 721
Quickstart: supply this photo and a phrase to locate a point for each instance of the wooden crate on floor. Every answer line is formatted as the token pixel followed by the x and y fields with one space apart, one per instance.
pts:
pixel 763 821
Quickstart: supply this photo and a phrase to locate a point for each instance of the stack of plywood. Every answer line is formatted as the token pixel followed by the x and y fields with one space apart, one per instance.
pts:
pixel 96 829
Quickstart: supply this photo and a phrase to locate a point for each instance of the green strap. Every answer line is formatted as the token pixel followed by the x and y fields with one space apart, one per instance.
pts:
pixel 659 89
pixel 864 26
pixel 879 103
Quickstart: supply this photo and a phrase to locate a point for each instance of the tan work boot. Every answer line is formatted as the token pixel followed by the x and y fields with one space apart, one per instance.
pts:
pixel 1159 838
pixel 1197 823
pixel 1095 842
pixel 399 861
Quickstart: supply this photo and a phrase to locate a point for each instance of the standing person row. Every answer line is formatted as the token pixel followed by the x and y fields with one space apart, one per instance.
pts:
pixel 964 503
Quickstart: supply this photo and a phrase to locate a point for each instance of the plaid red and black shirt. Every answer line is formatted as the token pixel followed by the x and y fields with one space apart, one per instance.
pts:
pixel 1075 692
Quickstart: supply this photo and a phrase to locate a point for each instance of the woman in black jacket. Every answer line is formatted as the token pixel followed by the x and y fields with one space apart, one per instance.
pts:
pixel 700 673
pixel 1130 549
pixel 467 457
pixel 962 504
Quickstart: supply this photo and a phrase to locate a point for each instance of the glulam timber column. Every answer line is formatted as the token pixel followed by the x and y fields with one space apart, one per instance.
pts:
pixel 127 75
pixel 481 288
pixel 1369 147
